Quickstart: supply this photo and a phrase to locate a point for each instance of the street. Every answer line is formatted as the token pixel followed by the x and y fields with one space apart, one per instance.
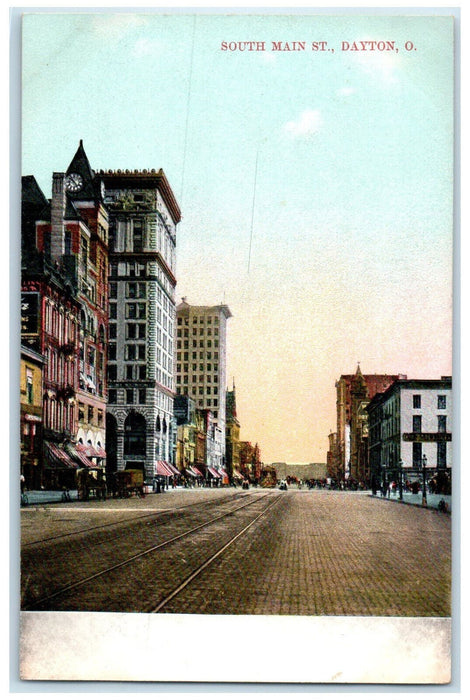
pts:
pixel 225 551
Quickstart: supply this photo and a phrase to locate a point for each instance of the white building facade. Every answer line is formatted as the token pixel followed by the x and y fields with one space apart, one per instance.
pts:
pixel 410 427
pixel 143 216
pixel 201 366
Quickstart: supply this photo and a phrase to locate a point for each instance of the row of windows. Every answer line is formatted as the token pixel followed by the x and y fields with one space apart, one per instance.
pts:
pixel 441 424
pixel 133 290
pixel 88 413
pixel 441 455
pixel 209 379
pixel 207 355
pixel 208 368
pixel 184 332
pixel 131 372
pixel 198 319
pixel 201 390
pixel 184 344
pixel 132 396
pixel 441 401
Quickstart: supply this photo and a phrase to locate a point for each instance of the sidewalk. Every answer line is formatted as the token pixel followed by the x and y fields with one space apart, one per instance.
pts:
pixel 415 499
pixel 43 497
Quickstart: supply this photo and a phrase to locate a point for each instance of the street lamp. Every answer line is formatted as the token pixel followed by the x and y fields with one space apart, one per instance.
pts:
pixel 400 479
pixel 384 480
pixel 425 461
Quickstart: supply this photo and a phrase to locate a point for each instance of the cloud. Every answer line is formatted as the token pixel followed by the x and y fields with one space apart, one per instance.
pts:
pixel 345 91
pixel 308 123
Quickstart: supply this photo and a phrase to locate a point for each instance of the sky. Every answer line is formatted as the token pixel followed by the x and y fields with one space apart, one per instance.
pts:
pixel 316 187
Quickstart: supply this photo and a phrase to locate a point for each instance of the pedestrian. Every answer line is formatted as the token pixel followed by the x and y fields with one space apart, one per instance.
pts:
pixel 22 483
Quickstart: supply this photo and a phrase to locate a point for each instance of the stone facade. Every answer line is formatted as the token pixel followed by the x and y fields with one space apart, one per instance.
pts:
pixel 143 216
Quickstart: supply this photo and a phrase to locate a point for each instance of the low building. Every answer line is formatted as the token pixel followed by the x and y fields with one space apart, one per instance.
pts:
pixel 410 431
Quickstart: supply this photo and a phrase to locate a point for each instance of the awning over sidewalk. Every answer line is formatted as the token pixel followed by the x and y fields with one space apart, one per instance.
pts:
pixel 197 471
pixel 237 474
pixel 162 468
pixel 88 450
pixel 80 456
pixel 58 457
pixel 214 472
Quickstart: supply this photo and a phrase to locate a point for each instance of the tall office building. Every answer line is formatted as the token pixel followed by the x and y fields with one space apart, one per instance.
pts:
pixel 143 215
pixel 201 363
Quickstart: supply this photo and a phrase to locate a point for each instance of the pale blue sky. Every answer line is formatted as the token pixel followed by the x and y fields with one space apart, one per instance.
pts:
pixel 351 253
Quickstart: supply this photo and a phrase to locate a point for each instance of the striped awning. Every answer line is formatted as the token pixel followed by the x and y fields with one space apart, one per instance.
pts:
pixel 174 470
pixel 101 452
pixel 214 472
pixel 237 474
pixel 196 471
pixel 58 457
pixel 80 455
pixel 88 450
pixel 162 469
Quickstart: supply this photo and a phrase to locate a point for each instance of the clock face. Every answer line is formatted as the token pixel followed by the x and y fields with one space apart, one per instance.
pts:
pixel 73 182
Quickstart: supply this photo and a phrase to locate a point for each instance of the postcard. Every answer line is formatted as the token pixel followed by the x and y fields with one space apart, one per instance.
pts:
pixel 237 240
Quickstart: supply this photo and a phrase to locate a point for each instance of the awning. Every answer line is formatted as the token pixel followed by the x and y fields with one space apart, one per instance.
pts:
pixel 88 450
pixel 237 474
pixel 58 457
pixel 196 471
pixel 214 472
pixel 80 456
pixel 100 452
pixel 173 470
pixel 223 472
pixel 162 469
pixel 193 472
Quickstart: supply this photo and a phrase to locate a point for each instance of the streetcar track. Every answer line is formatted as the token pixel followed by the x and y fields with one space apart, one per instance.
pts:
pixel 138 555
pixel 211 559
pixel 128 521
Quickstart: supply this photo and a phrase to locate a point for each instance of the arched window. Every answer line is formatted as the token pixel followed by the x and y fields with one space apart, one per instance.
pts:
pixel 164 425
pixel 134 435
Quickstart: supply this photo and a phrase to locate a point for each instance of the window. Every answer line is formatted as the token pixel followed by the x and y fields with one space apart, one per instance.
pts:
pixel 113 311
pixel 441 403
pixel 90 414
pixel 81 412
pixel 137 236
pixel 129 371
pixel 112 372
pixel 113 290
pixel 68 242
pixel 112 396
pixel 441 424
pixel 142 371
pixel 416 401
pixel 112 330
pixel 100 417
pixel 142 396
pixel 417 454
pixel 129 396
pixel 135 310
pixel 417 424
pixel 441 455
pixel 112 351
pixel 29 385
pixel 84 251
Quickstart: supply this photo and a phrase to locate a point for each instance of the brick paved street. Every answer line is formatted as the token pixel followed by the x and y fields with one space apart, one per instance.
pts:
pixel 332 553
pixel 312 553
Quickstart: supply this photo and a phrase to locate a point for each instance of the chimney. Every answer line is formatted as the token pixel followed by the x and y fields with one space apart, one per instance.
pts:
pixel 57 216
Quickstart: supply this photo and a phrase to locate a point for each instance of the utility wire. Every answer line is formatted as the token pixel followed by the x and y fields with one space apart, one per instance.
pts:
pixel 253 210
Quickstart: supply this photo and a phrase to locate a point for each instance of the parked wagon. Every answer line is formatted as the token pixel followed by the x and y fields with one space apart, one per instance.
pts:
pixel 91 483
pixel 128 482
